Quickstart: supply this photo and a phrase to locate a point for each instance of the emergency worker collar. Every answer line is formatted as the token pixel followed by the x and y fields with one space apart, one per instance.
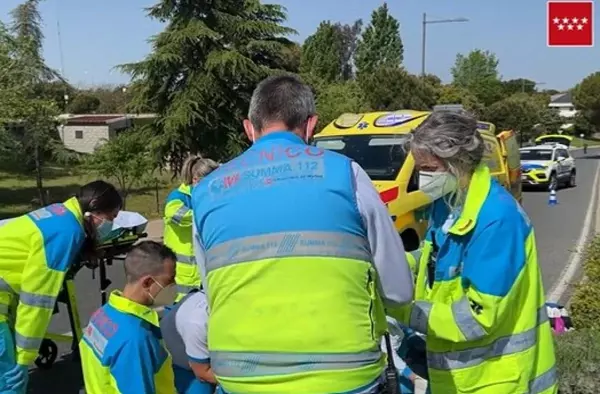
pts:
pixel 479 187
pixel 125 305
pixel 185 189
pixel 73 205
pixel 279 135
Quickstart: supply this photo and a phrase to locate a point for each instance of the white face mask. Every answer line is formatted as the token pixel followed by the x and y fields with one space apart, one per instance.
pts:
pixel 166 295
pixel 437 184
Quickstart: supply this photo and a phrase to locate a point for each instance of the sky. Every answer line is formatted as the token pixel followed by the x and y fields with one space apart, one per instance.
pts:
pixel 98 35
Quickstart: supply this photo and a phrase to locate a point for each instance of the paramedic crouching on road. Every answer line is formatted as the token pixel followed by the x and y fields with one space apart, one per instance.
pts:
pixel 479 296
pixel 299 252
pixel 178 223
pixel 121 350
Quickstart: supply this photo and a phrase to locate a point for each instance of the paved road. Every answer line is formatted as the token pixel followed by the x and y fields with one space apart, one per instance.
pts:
pixel 557 229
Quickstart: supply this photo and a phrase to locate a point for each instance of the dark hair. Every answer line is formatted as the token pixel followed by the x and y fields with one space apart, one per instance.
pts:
pixel 282 98
pixel 97 197
pixel 147 258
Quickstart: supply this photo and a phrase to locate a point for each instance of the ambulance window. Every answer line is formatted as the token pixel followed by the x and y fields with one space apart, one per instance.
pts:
pixel 381 156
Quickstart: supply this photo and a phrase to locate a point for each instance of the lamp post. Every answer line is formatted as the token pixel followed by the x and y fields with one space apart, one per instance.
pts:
pixel 535 84
pixel 424 41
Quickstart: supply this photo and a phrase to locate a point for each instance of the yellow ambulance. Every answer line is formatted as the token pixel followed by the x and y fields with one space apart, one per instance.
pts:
pixel 376 142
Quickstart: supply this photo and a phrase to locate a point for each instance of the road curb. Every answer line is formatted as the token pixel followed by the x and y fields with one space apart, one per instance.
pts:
pixel 566 277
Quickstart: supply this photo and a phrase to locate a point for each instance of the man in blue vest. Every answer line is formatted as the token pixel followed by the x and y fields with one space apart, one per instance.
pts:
pixel 300 258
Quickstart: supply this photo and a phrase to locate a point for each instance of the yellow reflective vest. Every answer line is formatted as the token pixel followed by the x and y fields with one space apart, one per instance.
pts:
pixel 36 250
pixel 479 298
pixel 122 351
pixel 178 237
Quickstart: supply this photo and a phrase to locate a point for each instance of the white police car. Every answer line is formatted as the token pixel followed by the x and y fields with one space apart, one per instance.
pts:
pixel 548 165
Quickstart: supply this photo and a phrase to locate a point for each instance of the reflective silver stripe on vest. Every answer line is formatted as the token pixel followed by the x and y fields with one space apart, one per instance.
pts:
pixel 4 286
pixel 419 316
pixel 501 347
pixel 242 364
pixel 37 300
pixel 179 214
pixel 464 319
pixel 27 343
pixel 310 243
pixel 544 381
pixel 183 259
pixel 184 289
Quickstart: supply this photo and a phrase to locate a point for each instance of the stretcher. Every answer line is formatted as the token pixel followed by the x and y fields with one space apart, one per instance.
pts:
pixel 128 229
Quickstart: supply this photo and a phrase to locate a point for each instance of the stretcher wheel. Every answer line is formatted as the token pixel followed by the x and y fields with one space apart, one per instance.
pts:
pixel 47 354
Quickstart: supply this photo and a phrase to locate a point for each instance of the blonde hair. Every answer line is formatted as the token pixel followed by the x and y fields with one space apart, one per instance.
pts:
pixel 197 167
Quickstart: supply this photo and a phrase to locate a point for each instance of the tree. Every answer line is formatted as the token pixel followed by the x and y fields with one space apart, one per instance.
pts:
pixel 202 71
pixel 520 85
pixel 322 53
pixel 516 113
pixel 350 36
pixel 391 88
pixel 380 45
pixel 478 73
pixel 84 103
pixel 451 94
pixel 338 98
pixel 128 159
pixel 586 97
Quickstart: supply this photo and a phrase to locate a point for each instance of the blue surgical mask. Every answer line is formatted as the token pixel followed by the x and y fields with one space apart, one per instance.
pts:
pixel 103 230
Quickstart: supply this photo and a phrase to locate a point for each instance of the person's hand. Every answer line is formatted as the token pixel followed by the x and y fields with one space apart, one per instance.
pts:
pixel 16 379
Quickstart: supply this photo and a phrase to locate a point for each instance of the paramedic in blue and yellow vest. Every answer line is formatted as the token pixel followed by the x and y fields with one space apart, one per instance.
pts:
pixel 122 349
pixel 178 223
pixel 299 255
pixel 36 251
pixel 479 296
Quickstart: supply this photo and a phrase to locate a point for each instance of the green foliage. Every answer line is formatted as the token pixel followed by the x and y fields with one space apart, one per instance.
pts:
pixel 84 103
pixel 514 113
pixel 585 304
pixel 478 73
pixel 322 53
pixel 339 98
pixel 451 94
pixel 520 85
pixel 203 69
pixel 586 97
pixel 380 45
pixel 128 159
pixel 578 360
pixel 391 88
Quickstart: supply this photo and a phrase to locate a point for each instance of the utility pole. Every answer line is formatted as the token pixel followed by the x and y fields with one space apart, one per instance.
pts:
pixel 424 37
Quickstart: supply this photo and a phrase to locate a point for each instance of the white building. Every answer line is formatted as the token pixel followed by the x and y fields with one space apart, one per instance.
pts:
pixel 84 133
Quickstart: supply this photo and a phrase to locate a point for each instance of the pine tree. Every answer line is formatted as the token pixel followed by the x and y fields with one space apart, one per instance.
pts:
pixel 202 70
pixel 381 45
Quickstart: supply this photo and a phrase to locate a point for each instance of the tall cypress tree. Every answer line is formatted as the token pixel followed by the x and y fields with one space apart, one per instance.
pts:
pixel 380 45
pixel 201 72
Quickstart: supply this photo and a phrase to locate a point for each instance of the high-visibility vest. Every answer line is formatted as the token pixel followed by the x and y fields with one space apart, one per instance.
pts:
pixel 122 350
pixel 479 297
pixel 290 283
pixel 178 237
pixel 36 251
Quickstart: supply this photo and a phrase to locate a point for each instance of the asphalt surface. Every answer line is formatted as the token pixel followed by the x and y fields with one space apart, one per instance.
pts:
pixel 557 231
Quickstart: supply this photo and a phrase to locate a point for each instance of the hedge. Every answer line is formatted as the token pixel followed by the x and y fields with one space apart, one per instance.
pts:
pixel 578 351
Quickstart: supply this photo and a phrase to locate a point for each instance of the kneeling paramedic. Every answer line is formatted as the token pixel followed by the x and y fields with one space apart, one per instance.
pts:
pixel 479 296
pixel 178 223
pixel 184 328
pixel 122 349
pixel 36 251
pixel 299 252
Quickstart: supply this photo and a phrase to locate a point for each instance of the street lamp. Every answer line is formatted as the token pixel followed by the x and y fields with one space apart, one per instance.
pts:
pixel 535 84
pixel 427 22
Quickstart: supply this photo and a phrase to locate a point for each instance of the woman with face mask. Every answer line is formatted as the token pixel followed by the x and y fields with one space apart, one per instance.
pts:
pixel 479 297
pixel 178 223
pixel 122 349
pixel 36 251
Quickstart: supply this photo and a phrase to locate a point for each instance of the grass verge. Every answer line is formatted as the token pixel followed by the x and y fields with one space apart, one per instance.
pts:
pixel 19 195
pixel 578 142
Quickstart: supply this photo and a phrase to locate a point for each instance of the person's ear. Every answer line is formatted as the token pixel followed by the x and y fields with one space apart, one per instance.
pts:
pixel 249 129
pixel 147 282
pixel 311 124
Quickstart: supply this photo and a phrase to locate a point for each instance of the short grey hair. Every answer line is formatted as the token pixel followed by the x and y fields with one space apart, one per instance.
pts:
pixel 451 137
pixel 282 98
pixel 147 258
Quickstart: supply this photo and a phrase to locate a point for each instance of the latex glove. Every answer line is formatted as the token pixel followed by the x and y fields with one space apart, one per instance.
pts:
pixel 17 378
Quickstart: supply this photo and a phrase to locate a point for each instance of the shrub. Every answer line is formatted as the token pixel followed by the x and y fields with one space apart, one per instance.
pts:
pixel 578 360
pixel 585 304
